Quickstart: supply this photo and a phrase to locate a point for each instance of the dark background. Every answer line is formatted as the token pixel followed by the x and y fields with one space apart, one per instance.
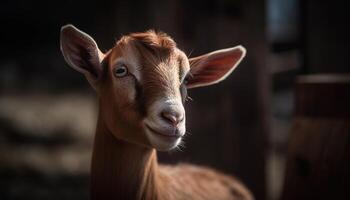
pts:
pixel 240 126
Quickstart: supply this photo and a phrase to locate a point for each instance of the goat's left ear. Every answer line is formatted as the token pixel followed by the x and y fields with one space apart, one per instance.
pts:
pixel 214 67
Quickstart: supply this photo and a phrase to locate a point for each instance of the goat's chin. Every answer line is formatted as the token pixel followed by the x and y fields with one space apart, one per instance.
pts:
pixel 162 143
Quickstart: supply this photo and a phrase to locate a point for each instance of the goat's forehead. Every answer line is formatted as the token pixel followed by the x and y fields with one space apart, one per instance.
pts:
pixel 144 61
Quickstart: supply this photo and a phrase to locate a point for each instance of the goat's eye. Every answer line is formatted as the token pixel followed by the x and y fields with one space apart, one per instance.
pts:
pixel 121 71
pixel 185 81
pixel 187 78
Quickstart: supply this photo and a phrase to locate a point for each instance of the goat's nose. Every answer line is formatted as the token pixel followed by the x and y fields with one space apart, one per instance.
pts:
pixel 171 116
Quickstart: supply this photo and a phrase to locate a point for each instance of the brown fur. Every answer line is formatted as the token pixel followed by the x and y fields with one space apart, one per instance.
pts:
pixel 124 163
pixel 121 170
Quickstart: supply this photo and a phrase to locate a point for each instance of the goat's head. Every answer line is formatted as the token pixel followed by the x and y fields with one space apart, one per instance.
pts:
pixel 142 82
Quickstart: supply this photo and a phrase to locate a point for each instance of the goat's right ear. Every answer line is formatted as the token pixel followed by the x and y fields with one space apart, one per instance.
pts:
pixel 81 53
pixel 214 67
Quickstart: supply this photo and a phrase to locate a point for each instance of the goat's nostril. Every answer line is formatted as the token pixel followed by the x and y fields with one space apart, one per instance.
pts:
pixel 171 117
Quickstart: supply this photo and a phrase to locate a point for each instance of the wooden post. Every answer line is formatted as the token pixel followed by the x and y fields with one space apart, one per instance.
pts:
pixel 318 165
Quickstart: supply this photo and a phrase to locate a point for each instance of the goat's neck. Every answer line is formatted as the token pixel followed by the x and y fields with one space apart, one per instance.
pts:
pixel 121 170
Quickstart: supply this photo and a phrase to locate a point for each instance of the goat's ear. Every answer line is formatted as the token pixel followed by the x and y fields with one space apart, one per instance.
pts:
pixel 214 67
pixel 81 53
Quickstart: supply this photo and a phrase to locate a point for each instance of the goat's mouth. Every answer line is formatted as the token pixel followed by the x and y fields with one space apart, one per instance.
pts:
pixel 170 134
pixel 163 140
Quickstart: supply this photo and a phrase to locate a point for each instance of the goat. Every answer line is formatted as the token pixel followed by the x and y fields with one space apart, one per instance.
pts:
pixel 141 84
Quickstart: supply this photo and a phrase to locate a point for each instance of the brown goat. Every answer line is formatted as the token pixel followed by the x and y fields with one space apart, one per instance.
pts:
pixel 142 85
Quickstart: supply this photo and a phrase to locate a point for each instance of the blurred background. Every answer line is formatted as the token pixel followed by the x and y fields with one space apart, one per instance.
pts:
pixel 241 126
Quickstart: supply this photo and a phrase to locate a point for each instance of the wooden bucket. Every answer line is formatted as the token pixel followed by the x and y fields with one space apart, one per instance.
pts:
pixel 318 165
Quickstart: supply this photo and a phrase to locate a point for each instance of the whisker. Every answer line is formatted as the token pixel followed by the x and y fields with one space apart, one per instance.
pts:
pixel 178 148
pixel 194 62
pixel 189 98
pixel 181 146
pixel 189 55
